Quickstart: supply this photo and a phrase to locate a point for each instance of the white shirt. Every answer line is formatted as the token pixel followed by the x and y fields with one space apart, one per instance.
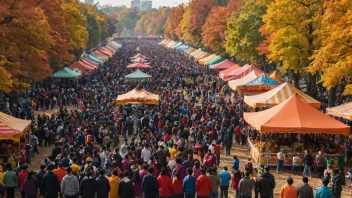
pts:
pixel 146 154
pixel 280 156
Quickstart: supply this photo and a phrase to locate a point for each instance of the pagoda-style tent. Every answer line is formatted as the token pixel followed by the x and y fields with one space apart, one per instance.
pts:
pixel 275 76
pixel 138 66
pixel 66 73
pixel 295 116
pixel 236 84
pixel 138 55
pixel 224 65
pixel 343 111
pixel 277 96
pixel 138 75
pixel 239 73
pixel 137 96
pixel 261 83
pixel 139 60
pixel 12 128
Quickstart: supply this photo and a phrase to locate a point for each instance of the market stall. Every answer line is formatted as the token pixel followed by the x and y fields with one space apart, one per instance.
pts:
pixel 138 66
pixel 236 84
pixel 138 96
pixel 342 111
pixel 138 75
pixel 239 73
pixel 294 126
pixel 11 131
pixel 260 84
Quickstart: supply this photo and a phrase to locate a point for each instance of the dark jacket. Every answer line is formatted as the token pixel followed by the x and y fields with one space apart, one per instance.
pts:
pixel 336 184
pixel 50 184
pixel 103 187
pixel 40 176
pixel 88 187
pixel 150 186
pixel 305 191
pixel 308 159
pixel 265 185
pixel 30 187
pixel 126 189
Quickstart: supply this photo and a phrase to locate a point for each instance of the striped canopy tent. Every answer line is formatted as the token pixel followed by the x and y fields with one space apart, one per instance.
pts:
pixel 189 50
pixel 90 63
pixel 275 76
pixel 111 48
pixel 277 96
pixel 226 72
pixel 195 52
pixel 201 56
pixel 214 62
pixel 138 55
pixel 66 73
pixel 138 75
pixel 12 128
pixel 138 66
pixel 94 59
pixel 139 60
pixel 166 43
pixel 295 116
pixel 343 111
pixel 106 51
pixel 100 55
pixel 80 66
pixel 236 84
pixel 114 43
pixel 138 96
pixel 182 47
pixel 223 65
pixel 239 73
pixel 204 60
pixel 163 41
pixel 176 45
pixel 261 83
pixel 171 44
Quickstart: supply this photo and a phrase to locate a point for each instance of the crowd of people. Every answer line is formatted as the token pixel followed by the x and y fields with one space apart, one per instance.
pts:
pixel 168 150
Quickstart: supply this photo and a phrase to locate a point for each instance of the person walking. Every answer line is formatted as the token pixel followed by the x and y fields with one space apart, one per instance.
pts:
pixel 30 186
pixel 308 162
pixel 189 184
pixel 39 177
pixel 324 191
pixel 126 189
pixel 70 185
pixel 50 183
pixel 225 178
pixel 203 185
pixel 305 190
pixel 265 184
pixel 150 185
pixel 236 163
pixel 321 164
pixel 246 186
pixel 296 163
pixel 21 178
pixel 10 181
pixel 114 182
pixel 215 182
pixel 165 184
pixel 177 182
pixel 336 186
pixel 88 186
pixel 103 187
pixel 288 191
pixel 280 161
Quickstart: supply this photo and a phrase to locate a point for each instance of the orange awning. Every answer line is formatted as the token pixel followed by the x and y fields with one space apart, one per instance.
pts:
pixel 91 64
pixel 12 128
pixel 137 96
pixel 106 51
pixel 295 116
pixel 100 55
pixel 275 76
pixel 84 68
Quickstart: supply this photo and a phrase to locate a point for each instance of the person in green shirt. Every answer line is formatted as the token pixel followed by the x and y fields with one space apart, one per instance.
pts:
pixel 10 181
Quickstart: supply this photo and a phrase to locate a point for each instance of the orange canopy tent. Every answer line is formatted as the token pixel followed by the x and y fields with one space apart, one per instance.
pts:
pixel 295 116
pixel 275 76
pixel 139 60
pixel 81 66
pixel 228 71
pixel 12 128
pixel 138 65
pixel 343 111
pixel 138 55
pixel 106 51
pixel 90 63
pixel 137 96
pixel 100 55
pixel 239 73
pixel 227 64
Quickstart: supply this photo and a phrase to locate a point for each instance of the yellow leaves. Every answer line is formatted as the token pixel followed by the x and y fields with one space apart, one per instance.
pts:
pixel 5 79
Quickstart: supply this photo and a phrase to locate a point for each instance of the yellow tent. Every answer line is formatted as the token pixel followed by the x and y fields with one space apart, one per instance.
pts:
pixel 196 52
pixel 278 95
pixel 12 128
pixel 343 111
pixel 275 76
pixel 236 84
pixel 206 59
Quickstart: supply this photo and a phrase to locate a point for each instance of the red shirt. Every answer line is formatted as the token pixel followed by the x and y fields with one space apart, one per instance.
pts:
pixel 203 186
pixel 167 137
pixel 165 186
pixel 237 131
pixel 60 173
pixel 177 183
pixel 21 178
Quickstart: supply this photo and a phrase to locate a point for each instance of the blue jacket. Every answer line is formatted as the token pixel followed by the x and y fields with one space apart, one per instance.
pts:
pixel 225 178
pixel 323 192
pixel 103 187
pixel 236 164
pixel 189 185
pixel 150 186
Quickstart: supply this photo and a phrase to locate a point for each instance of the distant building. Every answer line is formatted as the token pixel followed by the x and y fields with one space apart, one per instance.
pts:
pixel 141 5
pixel 89 1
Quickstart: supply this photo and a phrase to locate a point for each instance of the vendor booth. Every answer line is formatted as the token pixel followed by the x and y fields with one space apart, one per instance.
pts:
pixel 138 66
pixel 138 96
pixel 138 75
pixel 342 111
pixel 294 126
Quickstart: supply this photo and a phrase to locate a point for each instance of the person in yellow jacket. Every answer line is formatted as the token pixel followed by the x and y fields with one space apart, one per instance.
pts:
pixel 288 191
pixel 114 181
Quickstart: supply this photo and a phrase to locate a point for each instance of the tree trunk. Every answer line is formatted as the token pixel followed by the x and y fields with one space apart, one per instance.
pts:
pixel 332 96
pixel 295 77
pixel 311 87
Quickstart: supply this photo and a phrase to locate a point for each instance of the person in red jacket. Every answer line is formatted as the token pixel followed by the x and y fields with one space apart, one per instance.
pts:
pixel 237 133
pixel 199 148
pixel 177 182
pixel 165 184
pixel 22 178
pixel 60 172
pixel 203 185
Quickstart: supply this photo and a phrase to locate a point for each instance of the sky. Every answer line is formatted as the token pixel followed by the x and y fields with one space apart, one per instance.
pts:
pixel 156 3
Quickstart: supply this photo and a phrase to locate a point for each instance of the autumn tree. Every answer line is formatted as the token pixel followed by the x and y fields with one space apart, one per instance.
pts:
pixel 235 5
pixel 243 36
pixel 184 26
pixel 333 58
pixel 127 19
pixel 214 30
pixel 292 25
pixel 172 27
pixel 152 23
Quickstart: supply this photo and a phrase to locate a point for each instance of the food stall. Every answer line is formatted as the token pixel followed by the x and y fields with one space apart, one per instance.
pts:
pixel 294 126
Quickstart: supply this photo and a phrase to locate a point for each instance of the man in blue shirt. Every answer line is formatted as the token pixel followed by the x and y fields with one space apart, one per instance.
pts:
pixel 236 163
pixel 324 191
pixel 189 185
pixel 225 178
